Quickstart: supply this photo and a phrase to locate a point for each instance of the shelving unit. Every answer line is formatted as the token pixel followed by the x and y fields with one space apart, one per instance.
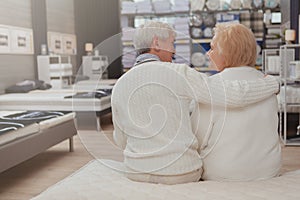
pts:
pixel 187 41
pixel 271 61
pixel 95 66
pixel 204 40
pixel 288 53
pixel 153 15
pixel 133 22
pixel 272 39
pixel 55 70
pixel 250 15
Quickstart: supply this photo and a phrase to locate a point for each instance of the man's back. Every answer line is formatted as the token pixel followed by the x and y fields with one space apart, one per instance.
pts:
pixel 150 106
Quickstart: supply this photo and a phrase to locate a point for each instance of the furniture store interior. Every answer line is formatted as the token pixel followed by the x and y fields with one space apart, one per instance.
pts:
pixel 149 99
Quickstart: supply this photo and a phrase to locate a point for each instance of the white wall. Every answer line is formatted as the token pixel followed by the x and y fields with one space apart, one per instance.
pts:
pixel 15 68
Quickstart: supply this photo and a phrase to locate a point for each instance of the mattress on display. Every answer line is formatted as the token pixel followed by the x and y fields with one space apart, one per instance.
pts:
pixel 16 125
pixel 97 181
pixel 28 133
pixel 52 100
pixel 92 85
pixel 99 93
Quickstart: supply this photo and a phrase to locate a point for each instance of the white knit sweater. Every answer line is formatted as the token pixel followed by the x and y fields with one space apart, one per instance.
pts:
pixel 239 144
pixel 150 107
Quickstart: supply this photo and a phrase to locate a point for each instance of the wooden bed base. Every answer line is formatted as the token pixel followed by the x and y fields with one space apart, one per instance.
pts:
pixel 25 148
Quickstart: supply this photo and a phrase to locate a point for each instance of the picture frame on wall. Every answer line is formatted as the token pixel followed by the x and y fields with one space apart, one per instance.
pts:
pixel 62 43
pixel 4 40
pixel 69 44
pixel 21 41
pixel 55 43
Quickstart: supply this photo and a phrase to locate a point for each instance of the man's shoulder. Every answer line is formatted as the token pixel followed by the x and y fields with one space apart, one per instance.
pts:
pixel 162 63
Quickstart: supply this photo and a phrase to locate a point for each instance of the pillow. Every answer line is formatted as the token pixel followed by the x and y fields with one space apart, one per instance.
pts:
pixel 27 86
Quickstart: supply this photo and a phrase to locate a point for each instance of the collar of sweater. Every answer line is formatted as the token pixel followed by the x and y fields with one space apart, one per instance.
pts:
pixel 146 57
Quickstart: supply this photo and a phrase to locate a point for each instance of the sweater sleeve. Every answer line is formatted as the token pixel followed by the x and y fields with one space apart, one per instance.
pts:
pixel 120 138
pixel 237 93
pixel 119 135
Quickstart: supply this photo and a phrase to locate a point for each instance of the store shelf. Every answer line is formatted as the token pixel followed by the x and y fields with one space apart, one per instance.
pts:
pixel 272 73
pixel 208 40
pixel 273 25
pixel 285 79
pixel 181 41
pixel 277 9
pixel 127 43
pixel 228 11
pixel 253 21
pixel 293 141
pixel 204 40
pixel 153 14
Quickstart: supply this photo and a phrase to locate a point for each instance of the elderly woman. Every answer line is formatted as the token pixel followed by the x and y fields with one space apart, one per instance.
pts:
pixel 150 107
pixel 237 144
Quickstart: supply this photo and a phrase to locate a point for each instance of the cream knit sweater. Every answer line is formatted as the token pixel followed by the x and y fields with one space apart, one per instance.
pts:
pixel 150 107
pixel 238 144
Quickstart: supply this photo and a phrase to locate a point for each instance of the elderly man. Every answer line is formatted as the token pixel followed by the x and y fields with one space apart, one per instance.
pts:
pixel 150 106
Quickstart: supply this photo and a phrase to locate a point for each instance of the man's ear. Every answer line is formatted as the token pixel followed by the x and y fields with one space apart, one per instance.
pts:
pixel 155 44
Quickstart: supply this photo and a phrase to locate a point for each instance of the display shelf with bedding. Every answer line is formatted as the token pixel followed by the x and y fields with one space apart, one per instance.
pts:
pixel 56 70
pixel 194 21
pixel 136 13
pixel 289 100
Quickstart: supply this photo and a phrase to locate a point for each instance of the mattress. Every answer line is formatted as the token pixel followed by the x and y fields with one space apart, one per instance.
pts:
pixel 31 128
pixel 55 121
pixel 96 181
pixel 90 85
pixel 12 135
pixel 46 129
pixel 52 100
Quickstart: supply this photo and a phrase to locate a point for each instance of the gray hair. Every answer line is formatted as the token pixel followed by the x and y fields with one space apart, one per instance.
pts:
pixel 145 34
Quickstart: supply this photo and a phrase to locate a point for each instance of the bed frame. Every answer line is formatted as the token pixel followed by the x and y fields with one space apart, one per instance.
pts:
pixel 86 110
pixel 25 148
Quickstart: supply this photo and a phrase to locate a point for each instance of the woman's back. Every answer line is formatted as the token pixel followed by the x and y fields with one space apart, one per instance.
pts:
pixel 240 143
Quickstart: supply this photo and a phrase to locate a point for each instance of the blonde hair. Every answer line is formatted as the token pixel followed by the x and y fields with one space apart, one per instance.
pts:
pixel 236 43
pixel 145 34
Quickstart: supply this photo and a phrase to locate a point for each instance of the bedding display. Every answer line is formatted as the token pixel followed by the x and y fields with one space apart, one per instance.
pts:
pixel 45 119
pixel 88 98
pixel 7 125
pixel 99 93
pixel 24 134
pixel 92 85
pixel 52 100
pixel 10 131
pixel 33 116
pixel 13 126
pixel 63 99
pixel 97 181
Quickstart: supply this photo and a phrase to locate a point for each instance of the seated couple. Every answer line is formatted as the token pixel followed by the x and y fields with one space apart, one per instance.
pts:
pixel 231 134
